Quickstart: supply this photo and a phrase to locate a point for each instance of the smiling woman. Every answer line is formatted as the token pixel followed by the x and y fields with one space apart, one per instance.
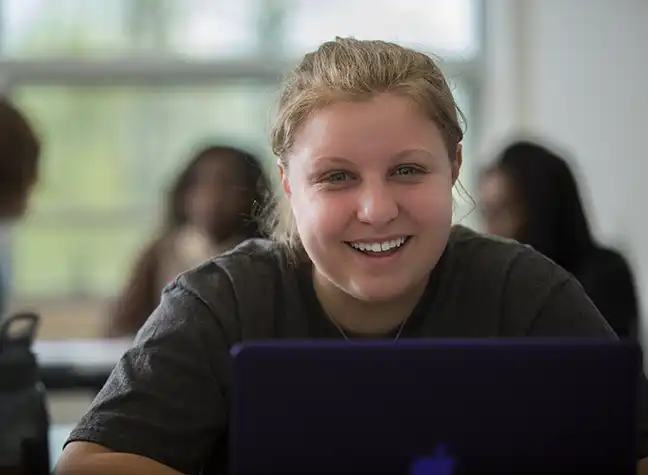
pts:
pixel 366 249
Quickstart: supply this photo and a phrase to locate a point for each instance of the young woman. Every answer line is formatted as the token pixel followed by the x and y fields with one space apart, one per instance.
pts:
pixel 530 194
pixel 369 148
pixel 210 210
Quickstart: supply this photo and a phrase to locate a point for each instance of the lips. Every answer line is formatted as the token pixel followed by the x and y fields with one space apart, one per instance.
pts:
pixel 378 247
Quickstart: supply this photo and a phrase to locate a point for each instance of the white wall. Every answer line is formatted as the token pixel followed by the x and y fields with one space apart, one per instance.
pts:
pixel 576 72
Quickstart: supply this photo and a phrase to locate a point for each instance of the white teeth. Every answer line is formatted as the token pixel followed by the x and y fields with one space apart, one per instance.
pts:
pixel 378 246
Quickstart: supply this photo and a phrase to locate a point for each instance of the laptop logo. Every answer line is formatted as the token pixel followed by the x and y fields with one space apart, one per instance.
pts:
pixel 441 463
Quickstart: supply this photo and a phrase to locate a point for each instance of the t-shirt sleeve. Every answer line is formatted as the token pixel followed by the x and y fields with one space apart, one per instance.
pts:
pixel 164 400
pixel 568 312
pixel 541 299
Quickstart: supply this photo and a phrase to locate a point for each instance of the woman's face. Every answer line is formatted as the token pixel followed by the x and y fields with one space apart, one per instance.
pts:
pixel 370 186
pixel 219 199
pixel 499 206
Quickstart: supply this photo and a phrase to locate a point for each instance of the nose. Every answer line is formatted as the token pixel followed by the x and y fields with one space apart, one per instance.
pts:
pixel 377 205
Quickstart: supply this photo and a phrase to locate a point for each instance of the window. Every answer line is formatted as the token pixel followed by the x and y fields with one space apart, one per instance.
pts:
pixel 445 27
pixel 123 91
pixel 140 28
pixel 226 28
pixel 109 153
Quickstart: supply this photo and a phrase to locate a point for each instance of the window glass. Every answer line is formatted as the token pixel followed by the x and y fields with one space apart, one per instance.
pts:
pixel 109 154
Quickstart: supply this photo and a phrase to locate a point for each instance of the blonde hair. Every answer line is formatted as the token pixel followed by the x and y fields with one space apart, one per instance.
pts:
pixel 348 69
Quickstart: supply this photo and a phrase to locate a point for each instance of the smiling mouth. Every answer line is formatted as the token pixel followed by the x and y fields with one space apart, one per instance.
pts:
pixel 380 249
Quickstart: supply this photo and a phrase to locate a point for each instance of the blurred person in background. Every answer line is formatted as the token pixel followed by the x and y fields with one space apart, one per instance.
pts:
pixel 19 153
pixel 530 194
pixel 211 208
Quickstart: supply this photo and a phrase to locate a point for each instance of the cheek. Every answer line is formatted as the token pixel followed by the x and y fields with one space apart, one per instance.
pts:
pixel 319 215
pixel 431 204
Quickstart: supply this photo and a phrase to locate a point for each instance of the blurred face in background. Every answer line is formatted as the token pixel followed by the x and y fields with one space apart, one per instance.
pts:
pixel 500 208
pixel 219 199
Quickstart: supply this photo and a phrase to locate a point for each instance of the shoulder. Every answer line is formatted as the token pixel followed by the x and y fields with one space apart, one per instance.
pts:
pixel 533 296
pixel 251 262
pixel 471 244
pixel 509 284
pixel 489 257
pixel 241 287
pixel 222 297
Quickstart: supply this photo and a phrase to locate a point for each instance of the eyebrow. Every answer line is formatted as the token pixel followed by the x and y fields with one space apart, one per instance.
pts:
pixel 399 156
pixel 332 160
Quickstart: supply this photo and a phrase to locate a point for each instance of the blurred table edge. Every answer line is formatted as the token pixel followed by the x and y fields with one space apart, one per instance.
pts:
pixel 78 364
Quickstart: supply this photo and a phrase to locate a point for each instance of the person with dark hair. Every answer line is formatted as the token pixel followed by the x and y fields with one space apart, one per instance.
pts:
pixel 19 156
pixel 530 194
pixel 212 207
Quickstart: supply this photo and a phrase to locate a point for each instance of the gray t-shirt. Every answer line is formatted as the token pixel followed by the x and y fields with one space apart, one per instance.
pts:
pixel 167 397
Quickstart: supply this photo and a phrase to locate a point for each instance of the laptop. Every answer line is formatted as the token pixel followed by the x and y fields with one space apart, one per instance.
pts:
pixel 434 407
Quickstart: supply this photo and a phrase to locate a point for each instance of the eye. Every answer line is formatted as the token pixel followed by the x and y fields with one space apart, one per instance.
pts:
pixel 336 177
pixel 408 171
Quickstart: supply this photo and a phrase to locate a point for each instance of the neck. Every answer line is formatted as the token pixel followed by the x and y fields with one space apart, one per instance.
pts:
pixel 362 317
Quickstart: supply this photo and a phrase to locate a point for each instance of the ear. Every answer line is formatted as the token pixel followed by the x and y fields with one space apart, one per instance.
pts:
pixel 456 164
pixel 285 185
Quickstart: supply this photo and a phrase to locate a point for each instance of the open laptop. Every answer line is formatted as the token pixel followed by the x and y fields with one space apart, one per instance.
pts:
pixel 434 407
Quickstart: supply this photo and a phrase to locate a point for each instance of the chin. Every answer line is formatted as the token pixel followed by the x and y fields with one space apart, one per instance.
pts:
pixel 376 292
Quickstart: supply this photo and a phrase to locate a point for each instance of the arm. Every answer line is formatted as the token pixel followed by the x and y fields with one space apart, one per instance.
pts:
pixel 569 312
pixel 83 458
pixel 139 297
pixel 162 411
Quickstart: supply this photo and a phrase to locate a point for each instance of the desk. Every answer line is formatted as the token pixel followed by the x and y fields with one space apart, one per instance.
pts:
pixel 78 364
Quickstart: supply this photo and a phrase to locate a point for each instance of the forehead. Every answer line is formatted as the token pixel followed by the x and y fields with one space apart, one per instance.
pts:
pixel 384 125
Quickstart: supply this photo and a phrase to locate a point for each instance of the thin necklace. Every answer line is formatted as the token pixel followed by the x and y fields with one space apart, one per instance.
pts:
pixel 346 337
